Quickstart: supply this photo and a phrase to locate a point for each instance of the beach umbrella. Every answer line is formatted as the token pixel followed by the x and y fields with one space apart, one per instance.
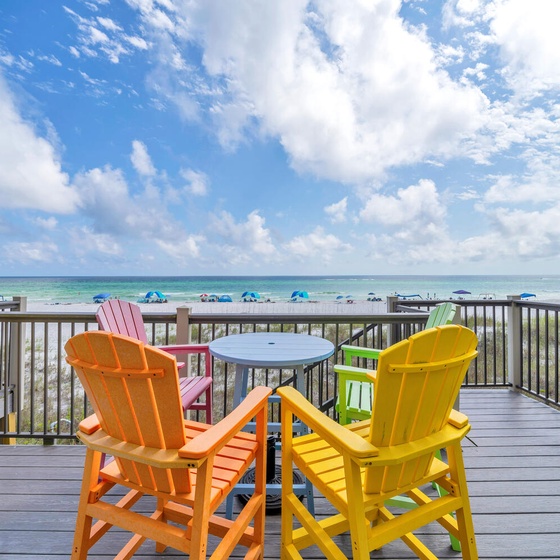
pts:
pixel 304 295
pixel 295 293
pixel 224 298
pixel 102 296
pixel 525 295
pixel 371 293
pixel 461 292
pixel 339 297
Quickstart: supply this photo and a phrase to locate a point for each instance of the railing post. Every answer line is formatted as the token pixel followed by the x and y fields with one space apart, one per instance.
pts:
pixel 184 325
pixel 15 372
pixel 514 343
pixel 392 331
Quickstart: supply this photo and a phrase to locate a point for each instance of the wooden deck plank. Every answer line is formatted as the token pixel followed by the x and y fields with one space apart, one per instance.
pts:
pixel 513 468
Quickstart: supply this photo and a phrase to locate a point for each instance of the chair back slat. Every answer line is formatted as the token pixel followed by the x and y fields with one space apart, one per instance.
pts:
pixel 122 317
pixel 417 383
pixel 442 314
pixel 135 393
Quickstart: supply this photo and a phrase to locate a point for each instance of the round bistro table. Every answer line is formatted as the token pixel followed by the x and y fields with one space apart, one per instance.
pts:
pixel 274 351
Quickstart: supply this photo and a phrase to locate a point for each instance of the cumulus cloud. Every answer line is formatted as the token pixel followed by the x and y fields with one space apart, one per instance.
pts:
pixel 242 242
pixel 112 209
pixel 197 182
pixel 141 159
pixel 414 225
pixel 347 88
pixel 85 241
pixel 527 35
pixel 32 175
pixel 32 252
pixel 337 211
pixel 318 243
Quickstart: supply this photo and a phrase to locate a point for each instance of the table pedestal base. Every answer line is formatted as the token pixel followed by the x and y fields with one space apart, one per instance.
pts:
pixel 273 501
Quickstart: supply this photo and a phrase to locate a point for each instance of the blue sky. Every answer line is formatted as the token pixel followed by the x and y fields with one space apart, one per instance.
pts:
pixel 189 137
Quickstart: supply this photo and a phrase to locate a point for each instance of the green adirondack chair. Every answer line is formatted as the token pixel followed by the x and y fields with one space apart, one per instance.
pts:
pixel 355 395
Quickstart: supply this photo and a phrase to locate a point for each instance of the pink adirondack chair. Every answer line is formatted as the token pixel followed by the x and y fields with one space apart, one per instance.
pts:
pixel 123 317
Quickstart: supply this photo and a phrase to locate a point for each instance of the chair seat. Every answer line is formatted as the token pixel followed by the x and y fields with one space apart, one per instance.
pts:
pixel 191 388
pixel 229 465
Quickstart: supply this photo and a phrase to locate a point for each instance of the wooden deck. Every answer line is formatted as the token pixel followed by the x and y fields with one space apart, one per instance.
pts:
pixel 512 458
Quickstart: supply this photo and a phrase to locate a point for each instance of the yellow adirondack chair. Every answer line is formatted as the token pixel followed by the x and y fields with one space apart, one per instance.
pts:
pixel 360 466
pixel 187 466
pixel 355 391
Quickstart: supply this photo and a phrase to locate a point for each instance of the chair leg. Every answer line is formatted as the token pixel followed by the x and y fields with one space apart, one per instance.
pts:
pixel 464 514
pixel 208 403
pixel 84 521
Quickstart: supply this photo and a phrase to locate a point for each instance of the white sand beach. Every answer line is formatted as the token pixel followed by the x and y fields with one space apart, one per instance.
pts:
pixel 274 308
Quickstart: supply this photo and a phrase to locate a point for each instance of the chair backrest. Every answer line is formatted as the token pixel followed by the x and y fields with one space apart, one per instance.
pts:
pixel 442 314
pixel 417 383
pixel 122 317
pixel 134 391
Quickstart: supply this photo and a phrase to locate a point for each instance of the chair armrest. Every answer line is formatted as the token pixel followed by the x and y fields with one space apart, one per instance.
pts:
pixel 218 435
pixel 89 425
pixel 340 437
pixel 174 349
pixel 185 348
pixel 359 352
pixel 346 373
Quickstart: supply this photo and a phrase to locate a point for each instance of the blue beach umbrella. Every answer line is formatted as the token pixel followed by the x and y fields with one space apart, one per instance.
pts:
pixel 461 292
pixel 224 298
pixel 526 295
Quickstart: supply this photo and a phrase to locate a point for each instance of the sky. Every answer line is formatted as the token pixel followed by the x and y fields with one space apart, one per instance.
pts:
pixel 268 137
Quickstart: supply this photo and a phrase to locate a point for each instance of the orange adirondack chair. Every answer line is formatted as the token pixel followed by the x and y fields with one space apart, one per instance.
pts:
pixel 189 467
pixel 360 467
pixel 122 317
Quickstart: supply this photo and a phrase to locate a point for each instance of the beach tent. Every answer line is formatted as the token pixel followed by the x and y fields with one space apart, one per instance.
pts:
pixel 101 298
pixel 250 296
pixel 154 296
pixel 526 295
pixel 298 295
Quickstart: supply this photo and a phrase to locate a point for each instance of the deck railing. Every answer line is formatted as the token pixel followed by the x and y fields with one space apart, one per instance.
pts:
pixel 41 397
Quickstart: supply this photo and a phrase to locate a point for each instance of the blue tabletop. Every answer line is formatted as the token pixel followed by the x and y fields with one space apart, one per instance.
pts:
pixel 271 349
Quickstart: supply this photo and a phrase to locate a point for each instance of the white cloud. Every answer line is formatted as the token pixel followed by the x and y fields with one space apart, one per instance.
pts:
pixel 141 159
pixel 347 88
pixel 30 253
pixel 32 175
pixel 197 181
pixel 242 242
pixel 527 34
pixel 318 243
pixel 47 223
pixel 337 211
pixel 85 241
pixel 182 250
pixel 414 226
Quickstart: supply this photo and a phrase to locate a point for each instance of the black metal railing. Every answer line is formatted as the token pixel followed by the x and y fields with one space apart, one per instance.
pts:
pixel 41 398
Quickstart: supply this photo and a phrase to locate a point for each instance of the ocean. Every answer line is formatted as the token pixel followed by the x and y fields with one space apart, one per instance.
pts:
pixel 74 289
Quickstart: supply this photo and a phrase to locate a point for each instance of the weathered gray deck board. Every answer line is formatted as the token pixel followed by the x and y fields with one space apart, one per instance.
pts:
pixel 513 468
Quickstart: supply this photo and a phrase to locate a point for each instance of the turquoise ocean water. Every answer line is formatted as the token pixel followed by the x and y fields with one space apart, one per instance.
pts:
pixel 276 288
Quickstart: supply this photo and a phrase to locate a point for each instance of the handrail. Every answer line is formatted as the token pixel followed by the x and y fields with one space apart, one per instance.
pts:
pixel 40 397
